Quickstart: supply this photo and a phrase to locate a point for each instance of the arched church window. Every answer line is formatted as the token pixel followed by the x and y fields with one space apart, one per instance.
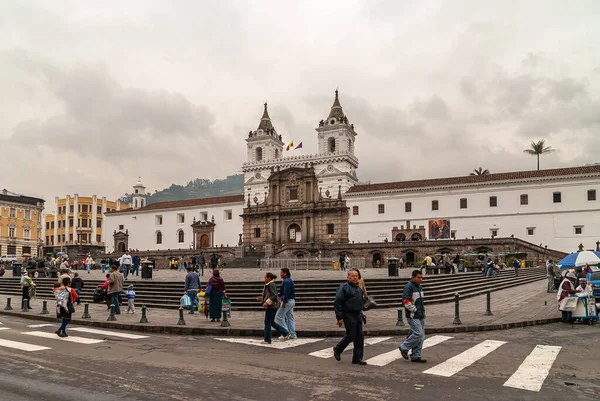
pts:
pixel 135 203
pixel 180 236
pixel 158 238
pixel 331 145
pixel 259 154
pixel 141 203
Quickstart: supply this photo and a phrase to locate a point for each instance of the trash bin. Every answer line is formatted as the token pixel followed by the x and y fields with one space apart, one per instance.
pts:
pixel 147 267
pixel 392 267
pixel 16 267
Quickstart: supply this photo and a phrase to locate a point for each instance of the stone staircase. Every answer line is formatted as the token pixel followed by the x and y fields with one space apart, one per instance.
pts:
pixel 310 294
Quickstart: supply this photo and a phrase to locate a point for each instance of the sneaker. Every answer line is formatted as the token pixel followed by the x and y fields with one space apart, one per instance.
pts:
pixel 336 354
pixel 360 363
pixel 280 338
pixel 419 360
pixel 63 335
pixel 404 353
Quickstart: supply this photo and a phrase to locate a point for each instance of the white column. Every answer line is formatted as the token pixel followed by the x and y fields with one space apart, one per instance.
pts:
pixel 104 234
pixel 118 204
pixel 94 214
pixel 75 217
pixel 55 231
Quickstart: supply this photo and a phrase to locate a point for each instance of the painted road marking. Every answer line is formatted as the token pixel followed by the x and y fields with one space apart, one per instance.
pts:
pixel 21 346
pixel 463 360
pixel 35 326
pixel 389 357
pixel 535 368
pixel 107 333
pixel 275 344
pixel 73 339
pixel 4 328
pixel 328 352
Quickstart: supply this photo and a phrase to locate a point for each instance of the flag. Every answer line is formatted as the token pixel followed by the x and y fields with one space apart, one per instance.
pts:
pixel 299 146
pixel 290 145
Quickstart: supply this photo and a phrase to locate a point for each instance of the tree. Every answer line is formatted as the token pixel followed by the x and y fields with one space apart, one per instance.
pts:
pixel 539 148
pixel 480 171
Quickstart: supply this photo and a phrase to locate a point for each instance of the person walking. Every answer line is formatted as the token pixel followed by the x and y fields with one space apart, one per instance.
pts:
pixel 516 265
pixel 130 295
pixel 104 286
pixel 65 298
pixel 136 260
pixel 77 284
pixel 27 285
pixel 115 286
pixel 412 299
pixel 342 262
pixel 287 295
pixel 270 302
pixel 550 275
pixel 348 306
pixel 125 262
pixel 88 263
pixel 215 295
pixel 489 266
pixel 191 287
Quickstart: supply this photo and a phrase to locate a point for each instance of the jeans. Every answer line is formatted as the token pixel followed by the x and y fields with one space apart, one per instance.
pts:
pixel 416 338
pixel 126 271
pixel 285 317
pixel 270 322
pixel 136 269
pixel 89 268
pixel 115 302
pixel 491 272
pixel 354 334
pixel 193 294
pixel 63 326
pixel 102 267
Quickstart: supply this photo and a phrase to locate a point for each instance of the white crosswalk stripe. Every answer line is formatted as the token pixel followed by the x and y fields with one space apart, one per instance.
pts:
pixel 328 352
pixel 73 339
pixel 107 333
pixel 465 359
pixel 391 356
pixel 275 344
pixel 535 368
pixel 4 328
pixel 35 326
pixel 21 346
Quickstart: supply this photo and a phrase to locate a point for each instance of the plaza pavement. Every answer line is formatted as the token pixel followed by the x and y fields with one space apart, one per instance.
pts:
pixel 520 306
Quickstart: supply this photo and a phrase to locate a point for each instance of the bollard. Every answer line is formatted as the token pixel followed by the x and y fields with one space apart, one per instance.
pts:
pixel 8 307
pixel 44 308
pixel 400 322
pixel 25 307
pixel 181 322
pixel 488 312
pixel 111 316
pixel 456 309
pixel 86 311
pixel 143 319
pixel 225 322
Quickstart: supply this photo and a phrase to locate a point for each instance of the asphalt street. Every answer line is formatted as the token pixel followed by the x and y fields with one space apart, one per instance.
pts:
pixel 552 362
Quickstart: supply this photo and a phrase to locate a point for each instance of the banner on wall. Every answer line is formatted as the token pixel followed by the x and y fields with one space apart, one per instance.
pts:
pixel 439 229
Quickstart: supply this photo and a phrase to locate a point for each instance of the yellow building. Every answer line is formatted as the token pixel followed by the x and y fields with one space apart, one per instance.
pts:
pixel 20 225
pixel 76 225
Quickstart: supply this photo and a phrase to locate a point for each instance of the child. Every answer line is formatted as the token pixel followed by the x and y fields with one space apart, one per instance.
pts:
pixel 130 294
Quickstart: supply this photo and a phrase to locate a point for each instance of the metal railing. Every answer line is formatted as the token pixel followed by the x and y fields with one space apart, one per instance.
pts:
pixel 308 264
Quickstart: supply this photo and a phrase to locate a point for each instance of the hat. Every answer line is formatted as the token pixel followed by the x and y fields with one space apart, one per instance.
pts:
pixel 571 275
pixel 130 287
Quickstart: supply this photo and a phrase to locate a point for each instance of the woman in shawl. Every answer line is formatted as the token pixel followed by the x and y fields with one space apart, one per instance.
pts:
pixel 215 297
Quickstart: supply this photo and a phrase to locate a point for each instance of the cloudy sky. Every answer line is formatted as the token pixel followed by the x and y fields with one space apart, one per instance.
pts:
pixel 95 94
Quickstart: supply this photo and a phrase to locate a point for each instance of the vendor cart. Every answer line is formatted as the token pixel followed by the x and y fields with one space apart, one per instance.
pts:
pixel 580 307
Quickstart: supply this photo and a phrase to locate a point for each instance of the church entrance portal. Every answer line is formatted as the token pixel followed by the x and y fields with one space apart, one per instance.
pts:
pixel 121 247
pixel 294 234
pixel 410 258
pixel 376 259
pixel 204 241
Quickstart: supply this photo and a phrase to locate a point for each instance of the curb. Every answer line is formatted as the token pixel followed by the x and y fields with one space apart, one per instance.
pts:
pixel 233 332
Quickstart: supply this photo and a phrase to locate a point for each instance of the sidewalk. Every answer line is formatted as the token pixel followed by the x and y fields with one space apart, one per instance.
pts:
pixel 520 306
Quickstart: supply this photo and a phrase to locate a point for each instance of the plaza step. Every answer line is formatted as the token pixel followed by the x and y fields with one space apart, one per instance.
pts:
pixel 310 294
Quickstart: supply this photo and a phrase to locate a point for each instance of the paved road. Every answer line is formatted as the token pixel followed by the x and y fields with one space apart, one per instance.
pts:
pixel 109 365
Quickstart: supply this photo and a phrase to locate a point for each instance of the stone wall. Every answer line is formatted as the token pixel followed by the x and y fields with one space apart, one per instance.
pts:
pixel 162 258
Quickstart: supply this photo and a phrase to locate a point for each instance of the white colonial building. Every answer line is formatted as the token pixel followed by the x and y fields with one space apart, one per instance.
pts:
pixel 556 208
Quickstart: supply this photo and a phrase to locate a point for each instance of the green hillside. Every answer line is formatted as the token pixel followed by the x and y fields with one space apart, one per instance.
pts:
pixel 198 188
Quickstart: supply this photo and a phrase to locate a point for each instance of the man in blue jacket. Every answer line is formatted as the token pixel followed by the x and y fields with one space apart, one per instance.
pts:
pixel 287 294
pixel 191 287
pixel 348 306
pixel 412 299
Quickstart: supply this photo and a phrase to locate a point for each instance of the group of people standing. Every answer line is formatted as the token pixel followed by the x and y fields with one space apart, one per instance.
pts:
pixel 214 292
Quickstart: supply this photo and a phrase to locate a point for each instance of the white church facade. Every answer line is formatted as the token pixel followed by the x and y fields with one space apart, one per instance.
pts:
pixel 557 208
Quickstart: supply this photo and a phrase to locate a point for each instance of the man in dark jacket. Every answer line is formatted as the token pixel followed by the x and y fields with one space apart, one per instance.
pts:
pixel 77 284
pixel 348 306
pixel 412 299
pixel 136 263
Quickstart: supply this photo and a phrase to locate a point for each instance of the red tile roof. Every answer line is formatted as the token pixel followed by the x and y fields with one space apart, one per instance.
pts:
pixel 476 179
pixel 185 203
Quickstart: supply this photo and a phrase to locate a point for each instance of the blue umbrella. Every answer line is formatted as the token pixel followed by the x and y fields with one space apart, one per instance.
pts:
pixel 579 259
